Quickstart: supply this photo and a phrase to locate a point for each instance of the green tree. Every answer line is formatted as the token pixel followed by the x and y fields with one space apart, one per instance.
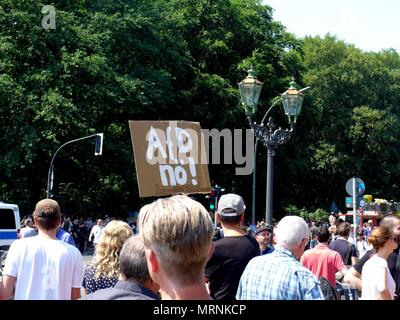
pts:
pixel 110 61
pixel 319 215
pixel 349 125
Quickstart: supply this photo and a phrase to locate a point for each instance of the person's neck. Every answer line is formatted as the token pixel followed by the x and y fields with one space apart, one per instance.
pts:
pixel 196 291
pixel 263 246
pixel 384 253
pixel 48 234
pixel 232 230
pixel 295 251
pixel 149 285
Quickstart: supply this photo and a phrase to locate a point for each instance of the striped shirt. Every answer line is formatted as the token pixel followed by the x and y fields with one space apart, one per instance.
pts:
pixel 278 276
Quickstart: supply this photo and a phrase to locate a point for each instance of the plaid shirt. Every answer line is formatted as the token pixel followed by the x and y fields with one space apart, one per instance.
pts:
pixel 278 276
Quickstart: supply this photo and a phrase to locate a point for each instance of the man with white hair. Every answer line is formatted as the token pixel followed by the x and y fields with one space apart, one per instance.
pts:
pixel 279 275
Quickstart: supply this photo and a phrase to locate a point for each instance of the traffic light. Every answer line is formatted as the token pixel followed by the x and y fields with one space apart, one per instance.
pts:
pixel 99 144
pixel 211 197
pixel 214 196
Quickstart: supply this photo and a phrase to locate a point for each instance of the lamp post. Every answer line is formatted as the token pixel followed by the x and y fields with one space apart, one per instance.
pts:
pixel 98 151
pixel 292 100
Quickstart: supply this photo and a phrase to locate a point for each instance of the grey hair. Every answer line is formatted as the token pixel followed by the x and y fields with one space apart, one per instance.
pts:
pixel 132 260
pixel 389 221
pixel 291 231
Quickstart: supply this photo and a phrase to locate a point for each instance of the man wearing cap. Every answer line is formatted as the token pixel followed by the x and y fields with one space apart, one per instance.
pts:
pixel 263 237
pixel 42 267
pixel 232 252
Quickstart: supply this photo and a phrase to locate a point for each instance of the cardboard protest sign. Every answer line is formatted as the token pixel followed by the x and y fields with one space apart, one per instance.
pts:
pixel 169 157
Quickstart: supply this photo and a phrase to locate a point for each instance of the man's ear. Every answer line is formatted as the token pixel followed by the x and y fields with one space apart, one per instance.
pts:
pixel 242 218
pixel 35 220
pixel 152 261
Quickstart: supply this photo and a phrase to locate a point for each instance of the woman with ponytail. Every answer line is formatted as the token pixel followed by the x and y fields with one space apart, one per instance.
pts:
pixel 377 282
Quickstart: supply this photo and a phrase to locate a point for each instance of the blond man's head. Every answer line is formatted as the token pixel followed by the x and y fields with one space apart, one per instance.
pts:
pixel 179 231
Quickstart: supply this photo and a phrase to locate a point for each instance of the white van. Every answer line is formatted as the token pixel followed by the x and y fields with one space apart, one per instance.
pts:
pixel 9 224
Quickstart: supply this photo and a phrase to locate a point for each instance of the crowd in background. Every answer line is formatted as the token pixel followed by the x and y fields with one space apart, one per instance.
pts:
pixel 84 233
pixel 178 254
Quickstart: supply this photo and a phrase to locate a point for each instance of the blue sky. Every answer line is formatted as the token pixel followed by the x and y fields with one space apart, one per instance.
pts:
pixel 371 25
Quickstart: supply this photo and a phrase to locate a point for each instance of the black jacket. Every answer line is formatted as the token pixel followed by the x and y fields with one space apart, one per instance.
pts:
pixel 123 290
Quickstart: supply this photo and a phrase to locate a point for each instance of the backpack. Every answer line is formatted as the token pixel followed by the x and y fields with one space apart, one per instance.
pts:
pixel 328 290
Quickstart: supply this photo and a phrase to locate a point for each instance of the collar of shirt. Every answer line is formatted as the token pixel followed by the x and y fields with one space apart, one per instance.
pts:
pixel 135 287
pixel 322 246
pixel 285 252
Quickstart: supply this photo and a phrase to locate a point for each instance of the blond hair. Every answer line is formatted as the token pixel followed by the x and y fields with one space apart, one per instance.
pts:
pixel 106 259
pixel 379 236
pixel 179 230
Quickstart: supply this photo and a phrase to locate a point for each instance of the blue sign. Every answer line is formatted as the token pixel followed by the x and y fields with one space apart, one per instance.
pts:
pixel 349 202
pixel 360 186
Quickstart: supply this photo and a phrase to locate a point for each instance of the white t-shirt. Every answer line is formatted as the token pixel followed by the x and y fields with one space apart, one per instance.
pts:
pixel 27 232
pixel 45 269
pixel 97 231
pixel 362 248
pixel 369 280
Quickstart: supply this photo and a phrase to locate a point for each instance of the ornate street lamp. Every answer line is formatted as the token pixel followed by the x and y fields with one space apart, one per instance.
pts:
pixel 250 89
pixel 292 100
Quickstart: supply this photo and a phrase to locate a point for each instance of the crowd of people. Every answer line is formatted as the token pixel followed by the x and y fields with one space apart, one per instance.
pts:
pixel 84 233
pixel 177 255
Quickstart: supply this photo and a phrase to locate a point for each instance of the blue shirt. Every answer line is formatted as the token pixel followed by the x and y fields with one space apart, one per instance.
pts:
pixel 267 250
pixel 278 276
pixel 65 236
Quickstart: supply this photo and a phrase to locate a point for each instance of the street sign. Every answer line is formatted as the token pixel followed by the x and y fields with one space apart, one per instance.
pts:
pixel 349 202
pixel 360 187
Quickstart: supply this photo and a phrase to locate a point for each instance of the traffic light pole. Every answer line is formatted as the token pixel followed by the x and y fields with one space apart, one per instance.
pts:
pixel 215 212
pixel 98 151
pixel 216 191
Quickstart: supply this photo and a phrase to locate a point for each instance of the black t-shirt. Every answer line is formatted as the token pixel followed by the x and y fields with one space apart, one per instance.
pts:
pixel 227 264
pixel 341 246
pixel 391 260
